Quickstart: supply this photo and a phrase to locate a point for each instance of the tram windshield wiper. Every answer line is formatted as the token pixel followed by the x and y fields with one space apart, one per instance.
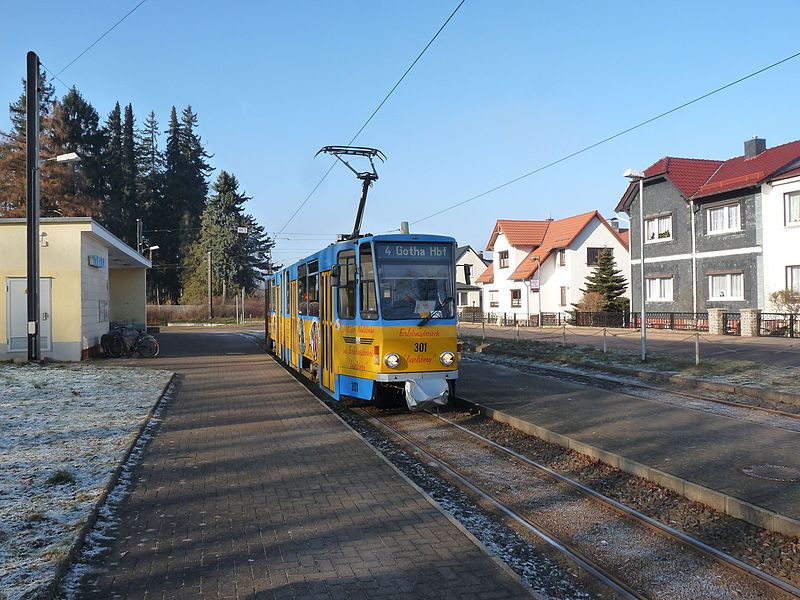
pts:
pixel 439 306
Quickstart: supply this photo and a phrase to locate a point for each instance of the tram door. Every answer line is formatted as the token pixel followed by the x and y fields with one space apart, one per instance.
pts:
pixel 277 329
pixel 294 344
pixel 326 332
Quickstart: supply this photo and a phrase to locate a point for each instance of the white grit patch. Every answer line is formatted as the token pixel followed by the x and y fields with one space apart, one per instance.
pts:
pixel 70 424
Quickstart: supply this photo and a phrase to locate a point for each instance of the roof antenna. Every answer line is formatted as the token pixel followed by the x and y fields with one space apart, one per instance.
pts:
pixel 367 177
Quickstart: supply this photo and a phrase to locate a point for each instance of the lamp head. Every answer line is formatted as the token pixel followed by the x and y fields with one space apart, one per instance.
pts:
pixel 70 157
pixel 633 174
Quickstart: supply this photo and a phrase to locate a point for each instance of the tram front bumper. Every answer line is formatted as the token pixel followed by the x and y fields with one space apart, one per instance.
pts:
pixel 423 390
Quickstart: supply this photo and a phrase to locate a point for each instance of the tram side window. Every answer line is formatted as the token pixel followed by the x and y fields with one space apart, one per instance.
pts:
pixel 272 298
pixel 369 297
pixel 347 284
pixel 302 296
pixel 313 288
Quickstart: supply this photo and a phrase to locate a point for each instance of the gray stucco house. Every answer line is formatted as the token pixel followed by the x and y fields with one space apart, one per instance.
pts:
pixel 705 229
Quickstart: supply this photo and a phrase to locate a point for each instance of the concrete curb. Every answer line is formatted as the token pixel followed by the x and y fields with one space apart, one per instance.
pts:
pixel 730 505
pixel 53 588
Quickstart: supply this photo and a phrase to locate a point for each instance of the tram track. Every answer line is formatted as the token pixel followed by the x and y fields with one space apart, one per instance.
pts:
pixel 707 572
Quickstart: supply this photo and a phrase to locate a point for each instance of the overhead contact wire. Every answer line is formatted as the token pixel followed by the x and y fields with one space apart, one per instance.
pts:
pixel 609 138
pixel 375 112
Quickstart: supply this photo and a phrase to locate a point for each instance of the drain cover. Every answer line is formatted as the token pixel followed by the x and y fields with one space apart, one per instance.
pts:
pixel 780 473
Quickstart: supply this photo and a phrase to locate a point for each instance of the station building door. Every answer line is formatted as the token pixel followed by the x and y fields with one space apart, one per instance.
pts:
pixel 17 313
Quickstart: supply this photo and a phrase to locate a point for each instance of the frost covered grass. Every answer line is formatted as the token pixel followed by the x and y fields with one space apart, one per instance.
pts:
pixel 65 428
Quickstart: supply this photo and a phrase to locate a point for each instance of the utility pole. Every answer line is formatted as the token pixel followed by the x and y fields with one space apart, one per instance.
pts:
pixel 33 208
pixel 139 238
pixel 210 306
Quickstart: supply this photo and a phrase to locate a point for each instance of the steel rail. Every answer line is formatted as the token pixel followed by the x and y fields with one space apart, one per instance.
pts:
pixel 637 516
pixel 548 370
pixel 575 556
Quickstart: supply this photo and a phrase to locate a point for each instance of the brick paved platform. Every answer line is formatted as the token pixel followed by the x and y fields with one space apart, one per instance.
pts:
pixel 253 489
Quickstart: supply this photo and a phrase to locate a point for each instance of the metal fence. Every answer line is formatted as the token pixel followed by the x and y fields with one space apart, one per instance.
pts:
pixel 675 321
pixel 769 324
pixel 779 325
pixel 731 323
pixel 468 315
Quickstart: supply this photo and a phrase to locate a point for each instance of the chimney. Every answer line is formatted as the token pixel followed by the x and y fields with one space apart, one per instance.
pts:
pixel 754 147
pixel 614 222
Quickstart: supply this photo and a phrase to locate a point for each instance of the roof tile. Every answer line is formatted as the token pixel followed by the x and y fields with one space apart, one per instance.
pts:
pixel 740 172
pixel 487 276
pixel 560 234
pixel 519 233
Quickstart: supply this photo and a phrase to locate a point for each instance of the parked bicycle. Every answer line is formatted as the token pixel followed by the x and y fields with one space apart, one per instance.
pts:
pixel 127 341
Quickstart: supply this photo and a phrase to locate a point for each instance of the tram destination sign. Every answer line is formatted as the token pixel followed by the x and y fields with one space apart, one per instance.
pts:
pixel 425 253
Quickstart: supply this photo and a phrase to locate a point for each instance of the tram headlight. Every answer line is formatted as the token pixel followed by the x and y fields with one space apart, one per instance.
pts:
pixel 391 360
pixel 447 358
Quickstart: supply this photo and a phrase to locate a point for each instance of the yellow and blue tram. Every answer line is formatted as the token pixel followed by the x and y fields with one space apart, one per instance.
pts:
pixel 370 318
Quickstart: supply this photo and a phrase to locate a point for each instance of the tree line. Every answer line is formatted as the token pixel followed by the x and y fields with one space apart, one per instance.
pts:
pixel 126 174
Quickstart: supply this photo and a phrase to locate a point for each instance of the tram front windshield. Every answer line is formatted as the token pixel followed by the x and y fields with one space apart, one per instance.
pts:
pixel 415 280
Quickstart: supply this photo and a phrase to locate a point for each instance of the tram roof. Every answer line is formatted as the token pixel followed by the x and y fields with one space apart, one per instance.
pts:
pixel 381 237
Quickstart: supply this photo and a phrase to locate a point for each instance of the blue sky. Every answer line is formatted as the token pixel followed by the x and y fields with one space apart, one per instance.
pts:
pixel 507 87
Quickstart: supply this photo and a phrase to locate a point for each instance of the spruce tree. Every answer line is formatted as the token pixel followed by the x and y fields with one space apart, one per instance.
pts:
pixel 167 214
pixel 237 258
pixel 129 176
pixel 150 193
pixel 195 176
pixel 609 281
pixel 113 215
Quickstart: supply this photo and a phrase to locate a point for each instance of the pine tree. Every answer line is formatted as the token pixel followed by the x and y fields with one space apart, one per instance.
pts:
pixel 13 174
pixel 607 280
pixel 75 189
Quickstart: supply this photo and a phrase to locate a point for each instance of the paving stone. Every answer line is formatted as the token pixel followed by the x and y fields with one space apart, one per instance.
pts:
pixel 253 489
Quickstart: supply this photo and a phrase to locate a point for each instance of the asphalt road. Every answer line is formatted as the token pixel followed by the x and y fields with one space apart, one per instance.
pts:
pixel 784 352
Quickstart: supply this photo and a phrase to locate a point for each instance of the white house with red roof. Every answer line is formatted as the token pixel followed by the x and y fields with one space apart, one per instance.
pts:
pixel 717 234
pixel 539 267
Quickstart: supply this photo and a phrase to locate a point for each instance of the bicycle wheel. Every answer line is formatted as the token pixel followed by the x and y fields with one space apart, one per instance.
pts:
pixel 147 347
pixel 115 348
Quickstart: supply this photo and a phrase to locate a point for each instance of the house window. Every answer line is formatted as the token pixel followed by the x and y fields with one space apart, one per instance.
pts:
pixel 726 285
pixel 563 300
pixel 463 298
pixel 593 255
pixel 792 208
pixel 562 258
pixel 793 278
pixel 723 219
pixel 659 289
pixel 516 298
pixel 494 302
pixel 658 229
pixel 504 259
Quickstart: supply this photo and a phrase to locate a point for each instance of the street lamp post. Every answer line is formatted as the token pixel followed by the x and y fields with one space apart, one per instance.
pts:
pixel 539 291
pixel 150 250
pixel 33 204
pixel 639 176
